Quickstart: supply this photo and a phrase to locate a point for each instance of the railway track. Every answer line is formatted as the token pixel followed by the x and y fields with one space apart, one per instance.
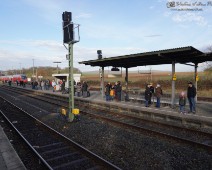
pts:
pixel 176 133
pixel 53 149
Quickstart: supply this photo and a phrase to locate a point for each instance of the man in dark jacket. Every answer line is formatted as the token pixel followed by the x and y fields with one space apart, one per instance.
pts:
pixel 147 94
pixel 158 94
pixel 84 89
pixel 118 91
pixel 191 93
pixel 63 86
pixel 152 90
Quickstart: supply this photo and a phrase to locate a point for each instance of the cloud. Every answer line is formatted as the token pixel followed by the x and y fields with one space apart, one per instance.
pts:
pixel 189 17
pixel 46 52
pixel 46 56
pixel 48 44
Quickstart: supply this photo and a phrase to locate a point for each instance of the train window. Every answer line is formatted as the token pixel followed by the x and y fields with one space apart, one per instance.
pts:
pixel 23 77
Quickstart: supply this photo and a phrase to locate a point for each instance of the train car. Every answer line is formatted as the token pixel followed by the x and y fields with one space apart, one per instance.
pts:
pixel 14 78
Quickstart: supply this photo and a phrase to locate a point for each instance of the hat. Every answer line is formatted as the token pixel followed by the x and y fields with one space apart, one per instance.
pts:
pixel 190 82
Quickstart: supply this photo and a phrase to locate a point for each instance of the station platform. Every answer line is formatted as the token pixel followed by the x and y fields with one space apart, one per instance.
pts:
pixel 203 109
pixel 9 160
pixel 202 119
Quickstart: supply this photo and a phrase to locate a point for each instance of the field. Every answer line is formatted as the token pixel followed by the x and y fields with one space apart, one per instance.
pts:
pixel 139 80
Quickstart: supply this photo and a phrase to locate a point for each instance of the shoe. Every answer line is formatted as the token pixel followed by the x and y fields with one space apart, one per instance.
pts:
pixel 181 112
pixel 194 112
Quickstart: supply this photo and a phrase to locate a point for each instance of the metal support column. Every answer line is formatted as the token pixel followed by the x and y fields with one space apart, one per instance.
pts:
pixel 71 83
pixel 102 83
pixel 173 85
pixel 195 80
pixel 126 79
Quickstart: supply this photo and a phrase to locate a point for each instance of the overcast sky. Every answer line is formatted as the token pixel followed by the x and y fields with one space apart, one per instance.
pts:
pixel 32 29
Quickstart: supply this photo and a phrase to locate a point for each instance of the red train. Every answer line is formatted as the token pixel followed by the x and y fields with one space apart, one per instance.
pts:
pixel 14 78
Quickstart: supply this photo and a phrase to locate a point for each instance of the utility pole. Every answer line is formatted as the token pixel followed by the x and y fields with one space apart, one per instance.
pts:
pixel 57 65
pixel 33 73
pixel 69 38
pixel 20 68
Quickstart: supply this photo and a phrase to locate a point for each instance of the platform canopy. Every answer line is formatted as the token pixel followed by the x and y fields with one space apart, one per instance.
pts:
pixel 181 55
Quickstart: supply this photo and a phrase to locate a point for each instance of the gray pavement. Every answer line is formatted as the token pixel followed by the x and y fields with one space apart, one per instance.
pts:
pixel 203 109
pixel 9 159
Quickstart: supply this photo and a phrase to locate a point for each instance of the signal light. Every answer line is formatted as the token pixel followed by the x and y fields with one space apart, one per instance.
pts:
pixel 68 32
pixel 99 52
pixel 67 17
pixel 68 27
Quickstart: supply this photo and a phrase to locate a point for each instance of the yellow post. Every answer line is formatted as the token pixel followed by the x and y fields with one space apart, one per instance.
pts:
pixel 197 77
pixel 76 114
pixel 75 111
pixel 174 78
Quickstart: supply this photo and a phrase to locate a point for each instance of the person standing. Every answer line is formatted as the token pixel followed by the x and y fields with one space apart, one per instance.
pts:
pixel 147 95
pixel 63 86
pixel 42 85
pixel 152 90
pixel 36 85
pixel 182 102
pixel 158 94
pixel 78 89
pixel 47 84
pixel 115 91
pixel 191 93
pixel 112 92
pixel 107 91
pixel 54 85
pixel 118 91
pixel 84 89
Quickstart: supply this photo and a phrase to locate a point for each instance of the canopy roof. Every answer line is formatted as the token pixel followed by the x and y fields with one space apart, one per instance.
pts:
pixel 181 55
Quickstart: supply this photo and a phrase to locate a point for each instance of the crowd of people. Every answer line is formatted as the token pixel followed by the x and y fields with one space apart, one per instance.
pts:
pixel 114 92
pixel 42 84
pixel 157 92
pixel 82 89
pixel 150 91
pixel 21 83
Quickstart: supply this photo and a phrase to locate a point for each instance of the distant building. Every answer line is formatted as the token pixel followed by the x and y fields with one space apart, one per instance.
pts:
pixel 65 77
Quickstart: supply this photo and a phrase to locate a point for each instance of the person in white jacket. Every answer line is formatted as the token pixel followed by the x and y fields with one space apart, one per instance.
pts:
pixel 54 85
